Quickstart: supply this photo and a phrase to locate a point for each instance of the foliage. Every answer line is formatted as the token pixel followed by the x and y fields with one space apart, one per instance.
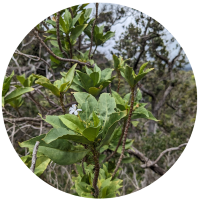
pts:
pixel 111 116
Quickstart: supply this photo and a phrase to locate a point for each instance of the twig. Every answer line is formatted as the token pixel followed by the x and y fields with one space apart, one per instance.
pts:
pixel 57 57
pixel 97 5
pixel 34 157
pixel 149 164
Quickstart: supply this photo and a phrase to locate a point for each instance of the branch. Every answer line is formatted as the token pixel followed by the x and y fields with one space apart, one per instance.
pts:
pixel 177 56
pixel 34 158
pixel 22 119
pixel 150 93
pixel 144 159
pixel 162 101
pixel 93 29
pixel 125 133
pixel 57 57
pixel 149 164
pixel 58 35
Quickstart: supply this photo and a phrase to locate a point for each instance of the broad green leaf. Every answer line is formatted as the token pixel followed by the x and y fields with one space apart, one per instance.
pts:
pixel 86 81
pixel 54 43
pixel 21 78
pixel 54 60
pixel 6 84
pixel 108 35
pixel 76 32
pixel 135 123
pixel 47 84
pixel 140 115
pixel 106 74
pixel 127 97
pixel 118 98
pixel 63 25
pixel 141 110
pixel 116 61
pixel 95 91
pixel 63 133
pixel 16 103
pixel 54 121
pixel 68 19
pixel 143 67
pixel 110 126
pixel 142 75
pixel 95 119
pixel 81 98
pixel 128 73
pixel 95 77
pixel 75 19
pixel 70 74
pixel 51 22
pixel 41 164
pixel 106 105
pixel 17 93
pixel 60 151
pixel 138 96
pixel 72 122
pixel 91 133
pixel 88 70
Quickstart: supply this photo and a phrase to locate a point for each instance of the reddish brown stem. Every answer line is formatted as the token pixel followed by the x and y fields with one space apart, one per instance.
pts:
pixel 125 132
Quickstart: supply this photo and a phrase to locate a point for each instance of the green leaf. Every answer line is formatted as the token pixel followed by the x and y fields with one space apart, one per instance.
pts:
pixel 63 25
pixel 140 115
pixel 74 20
pixel 142 75
pixel 41 164
pixel 116 61
pixel 68 19
pixel 54 60
pixel 91 133
pixel 106 74
pixel 63 133
pixel 47 84
pixel 81 98
pixel 106 105
pixel 138 96
pixel 21 78
pixel 76 32
pixel 118 98
pixel 72 122
pixel 59 151
pixel 54 121
pixel 6 84
pixel 16 103
pixel 111 125
pixel 143 67
pixel 17 93
pixel 135 123
pixel 95 119
pixel 141 110
pixel 95 77
pixel 128 73
pixel 127 97
pixel 86 81
pixel 108 35
pixel 95 91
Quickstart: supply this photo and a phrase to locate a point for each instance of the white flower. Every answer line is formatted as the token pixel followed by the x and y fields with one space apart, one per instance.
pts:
pixel 73 110
pixel 49 75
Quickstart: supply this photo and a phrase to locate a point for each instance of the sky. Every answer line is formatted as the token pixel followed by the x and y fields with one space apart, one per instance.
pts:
pixel 118 30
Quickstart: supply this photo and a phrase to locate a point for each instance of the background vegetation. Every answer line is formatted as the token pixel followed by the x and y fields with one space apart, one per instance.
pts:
pixel 170 93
